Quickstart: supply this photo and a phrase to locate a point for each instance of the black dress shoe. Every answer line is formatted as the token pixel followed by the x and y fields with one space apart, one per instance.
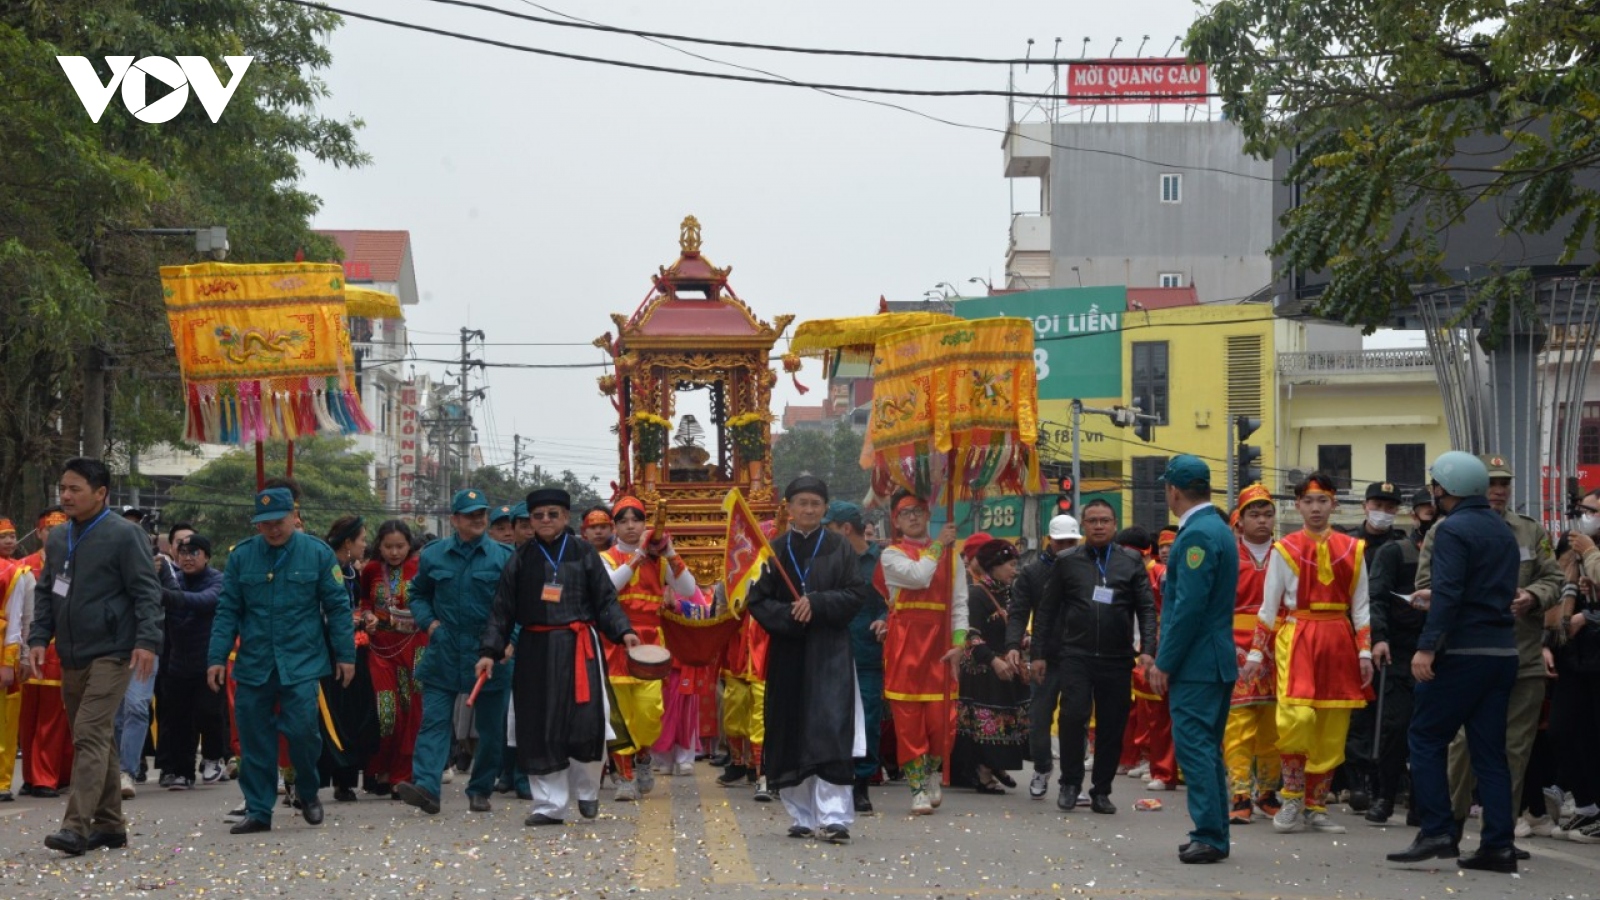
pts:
pixel 250 826
pixel 588 808
pixel 107 840
pixel 1520 853
pixel 311 811
pixel 415 796
pixel 1380 811
pixel 1360 801
pixel 1496 859
pixel 800 831
pixel 477 803
pixel 502 786
pixel 1067 797
pixel 1440 846
pixel 1101 803
pixel 540 819
pixel 5 797
pixel 1196 852
pixel 46 793
pixel 344 795
pixel 69 842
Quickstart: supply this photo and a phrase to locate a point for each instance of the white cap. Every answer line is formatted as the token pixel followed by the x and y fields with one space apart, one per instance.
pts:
pixel 1064 528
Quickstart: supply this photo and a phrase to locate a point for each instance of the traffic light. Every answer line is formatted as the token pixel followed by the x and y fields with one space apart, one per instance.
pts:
pixel 1064 496
pixel 1246 457
pixel 1144 430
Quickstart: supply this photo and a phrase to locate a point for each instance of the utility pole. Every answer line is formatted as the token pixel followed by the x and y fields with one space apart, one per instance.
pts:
pixel 516 459
pixel 464 422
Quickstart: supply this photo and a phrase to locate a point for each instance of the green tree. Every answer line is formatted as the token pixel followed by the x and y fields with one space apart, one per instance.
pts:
pixel 218 498
pixel 84 350
pixel 834 456
pixel 496 481
pixel 1379 98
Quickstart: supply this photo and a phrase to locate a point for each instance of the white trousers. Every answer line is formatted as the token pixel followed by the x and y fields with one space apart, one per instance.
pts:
pixel 814 803
pixel 551 792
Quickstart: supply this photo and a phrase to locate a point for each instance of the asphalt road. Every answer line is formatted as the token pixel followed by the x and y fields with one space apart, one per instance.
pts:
pixel 692 837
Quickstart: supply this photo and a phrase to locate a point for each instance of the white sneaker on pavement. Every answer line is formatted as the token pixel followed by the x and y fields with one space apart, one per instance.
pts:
pixel 211 771
pixel 127 786
pixel 1543 826
pixel 627 791
pixel 921 804
pixel 1142 770
pixel 1322 823
pixel 448 776
pixel 1291 818
pixel 683 769
pixel 1039 785
pixel 1157 784
pixel 935 790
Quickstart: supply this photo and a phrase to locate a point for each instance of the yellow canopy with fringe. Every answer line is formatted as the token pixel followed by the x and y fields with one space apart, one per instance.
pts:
pixel 818 336
pixel 365 303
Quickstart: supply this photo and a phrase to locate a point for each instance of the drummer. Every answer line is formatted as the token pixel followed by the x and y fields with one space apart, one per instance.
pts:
pixel 643 566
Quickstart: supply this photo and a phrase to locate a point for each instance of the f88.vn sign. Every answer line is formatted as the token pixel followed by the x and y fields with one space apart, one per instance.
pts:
pixel 179 75
pixel 1136 81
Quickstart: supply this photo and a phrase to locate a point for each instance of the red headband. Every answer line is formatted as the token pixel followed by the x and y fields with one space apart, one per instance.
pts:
pixel 628 502
pixel 51 520
pixel 909 501
pixel 597 517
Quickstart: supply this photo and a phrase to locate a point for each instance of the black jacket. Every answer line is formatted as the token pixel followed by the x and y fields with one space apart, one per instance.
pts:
pixel 1394 571
pixel 1070 623
pixel 1026 593
pixel 191 604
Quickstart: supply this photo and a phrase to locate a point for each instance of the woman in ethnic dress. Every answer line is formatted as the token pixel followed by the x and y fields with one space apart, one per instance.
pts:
pixel 395 648
pixel 992 710
pixel 350 707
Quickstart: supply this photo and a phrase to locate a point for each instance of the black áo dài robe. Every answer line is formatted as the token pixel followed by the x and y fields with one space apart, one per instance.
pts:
pixel 811 686
pixel 552 725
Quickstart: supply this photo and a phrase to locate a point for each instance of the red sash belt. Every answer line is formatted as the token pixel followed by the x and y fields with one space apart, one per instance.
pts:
pixel 585 652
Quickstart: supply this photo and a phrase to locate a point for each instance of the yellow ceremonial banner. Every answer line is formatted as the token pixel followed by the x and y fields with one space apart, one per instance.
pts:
pixel 264 350
pixel 255 321
pixel 956 401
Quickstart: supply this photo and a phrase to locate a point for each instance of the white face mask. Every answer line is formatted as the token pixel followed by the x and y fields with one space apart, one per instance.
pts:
pixel 1380 520
pixel 1589 524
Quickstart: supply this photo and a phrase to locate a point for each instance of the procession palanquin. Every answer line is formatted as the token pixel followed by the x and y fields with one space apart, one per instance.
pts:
pixel 693 333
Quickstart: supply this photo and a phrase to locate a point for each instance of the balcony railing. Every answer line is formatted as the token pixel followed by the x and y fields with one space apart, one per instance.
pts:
pixel 1354 362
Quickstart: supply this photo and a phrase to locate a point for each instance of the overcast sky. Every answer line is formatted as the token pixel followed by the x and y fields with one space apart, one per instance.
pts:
pixel 542 193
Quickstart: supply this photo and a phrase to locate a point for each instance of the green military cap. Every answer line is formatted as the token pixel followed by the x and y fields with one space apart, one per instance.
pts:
pixel 272 504
pixel 501 512
pixel 468 500
pixel 519 511
pixel 1498 466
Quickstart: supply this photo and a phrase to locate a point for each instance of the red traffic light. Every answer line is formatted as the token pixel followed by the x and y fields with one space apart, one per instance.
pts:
pixel 1064 504
pixel 1065 484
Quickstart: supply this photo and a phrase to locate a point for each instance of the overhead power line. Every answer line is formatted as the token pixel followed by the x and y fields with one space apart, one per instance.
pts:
pixel 723 76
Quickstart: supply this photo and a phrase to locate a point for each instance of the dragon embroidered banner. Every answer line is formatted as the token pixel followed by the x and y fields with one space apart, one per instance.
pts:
pixel 955 404
pixel 264 351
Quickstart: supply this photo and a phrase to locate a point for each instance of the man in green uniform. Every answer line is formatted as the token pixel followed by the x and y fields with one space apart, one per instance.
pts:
pixel 1539 580
pixel 1195 663
pixel 451 596
pixel 284 600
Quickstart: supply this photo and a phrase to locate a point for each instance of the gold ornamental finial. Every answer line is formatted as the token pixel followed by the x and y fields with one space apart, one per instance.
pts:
pixel 689 235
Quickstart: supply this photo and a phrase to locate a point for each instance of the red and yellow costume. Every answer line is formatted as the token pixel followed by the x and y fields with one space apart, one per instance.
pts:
pixel 1149 730
pixel 44 730
pixel 1320 582
pixel 642 592
pixel 1250 742
pixel 927 616
pixel 16 598
pixel 392 656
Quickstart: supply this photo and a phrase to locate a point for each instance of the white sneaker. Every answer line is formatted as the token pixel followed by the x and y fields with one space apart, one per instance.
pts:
pixel 1039 785
pixel 1543 826
pixel 127 786
pixel 211 771
pixel 448 776
pixel 237 814
pixel 1322 823
pixel 935 790
pixel 1523 829
pixel 683 769
pixel 283 789
pixel 921 804
pixel 627 791
pixel 1157 784
pixel 1142 770
pixel 645 778
pixel 1291 818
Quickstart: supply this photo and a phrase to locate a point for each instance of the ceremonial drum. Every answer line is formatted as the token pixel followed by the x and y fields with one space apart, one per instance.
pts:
pixel 647 662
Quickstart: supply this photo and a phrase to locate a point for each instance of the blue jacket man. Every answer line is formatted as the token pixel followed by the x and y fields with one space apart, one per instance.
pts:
pixel 451 597
pixel 1195 665
pixel 1465 666
pixel 284 600
pixel 866 642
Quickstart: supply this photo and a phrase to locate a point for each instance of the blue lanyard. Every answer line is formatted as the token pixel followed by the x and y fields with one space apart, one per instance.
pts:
pixel 282 558
pixel 72 542
pixel 555 564
pixel 806 572
pixel 1099 564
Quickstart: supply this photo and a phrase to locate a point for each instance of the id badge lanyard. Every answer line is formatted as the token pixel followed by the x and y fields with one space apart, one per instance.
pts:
pixel 64 581
pixel 552 582
pixel 1102 591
